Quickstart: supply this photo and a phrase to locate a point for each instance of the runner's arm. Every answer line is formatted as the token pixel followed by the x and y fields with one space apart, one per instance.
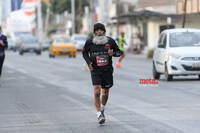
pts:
pixel 85 53
pixel 116 51
pixel 125 43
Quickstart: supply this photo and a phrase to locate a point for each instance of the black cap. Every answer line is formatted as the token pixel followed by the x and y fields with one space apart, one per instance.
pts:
pixel 99 26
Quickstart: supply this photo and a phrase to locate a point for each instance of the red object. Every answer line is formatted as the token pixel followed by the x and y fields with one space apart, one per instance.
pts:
pixel 30 1
pixel 95 17
pixel 107 45
pixel 118 64
pixel 29 13
pixel 83 50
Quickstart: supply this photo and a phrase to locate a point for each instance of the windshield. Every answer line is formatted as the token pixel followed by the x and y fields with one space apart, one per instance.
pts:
pixel 185 39
pixel 30 41
pixel 47 42
pixel 81 38
pixel 62 40
pixel 23 34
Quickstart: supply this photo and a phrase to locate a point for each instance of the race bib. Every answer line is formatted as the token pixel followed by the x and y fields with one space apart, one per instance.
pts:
pixel 102 60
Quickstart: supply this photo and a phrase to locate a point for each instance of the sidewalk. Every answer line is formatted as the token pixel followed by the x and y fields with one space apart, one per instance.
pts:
pixel 141 56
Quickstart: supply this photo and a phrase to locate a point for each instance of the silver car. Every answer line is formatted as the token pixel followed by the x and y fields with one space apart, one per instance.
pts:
pixel 177 53
pixel 29 44
pixel 79 41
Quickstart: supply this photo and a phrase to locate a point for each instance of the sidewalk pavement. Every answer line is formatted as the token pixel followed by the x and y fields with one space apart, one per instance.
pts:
pixel 141 56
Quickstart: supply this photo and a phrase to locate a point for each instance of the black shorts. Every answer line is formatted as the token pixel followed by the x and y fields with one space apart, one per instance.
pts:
pixel 103 78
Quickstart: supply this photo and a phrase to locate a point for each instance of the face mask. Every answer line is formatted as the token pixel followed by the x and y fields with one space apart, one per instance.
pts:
pixel 100 39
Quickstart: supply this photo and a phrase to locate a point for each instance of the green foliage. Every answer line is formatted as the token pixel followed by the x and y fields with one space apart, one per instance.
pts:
pixel 90 35
pixel 60 6
pixel 44 7
pixel 52 29
pixel 150 53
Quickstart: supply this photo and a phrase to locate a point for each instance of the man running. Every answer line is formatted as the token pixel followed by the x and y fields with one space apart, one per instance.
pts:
pixel 121 41
pixel 98 53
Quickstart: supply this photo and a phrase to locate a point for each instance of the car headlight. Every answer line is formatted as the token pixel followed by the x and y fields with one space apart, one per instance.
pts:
pixel 173 55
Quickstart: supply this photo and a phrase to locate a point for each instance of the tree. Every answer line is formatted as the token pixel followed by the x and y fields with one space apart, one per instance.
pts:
pixel 60 6
pixel 44 7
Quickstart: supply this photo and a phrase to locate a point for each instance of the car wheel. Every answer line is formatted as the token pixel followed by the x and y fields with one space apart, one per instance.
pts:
pixel 167 76
pixel 21 53
pixel 38 52
pixel 51 56
pixel 156 75
pixel 74 56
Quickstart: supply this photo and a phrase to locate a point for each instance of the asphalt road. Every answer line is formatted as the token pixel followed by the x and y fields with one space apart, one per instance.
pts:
pixel 43 95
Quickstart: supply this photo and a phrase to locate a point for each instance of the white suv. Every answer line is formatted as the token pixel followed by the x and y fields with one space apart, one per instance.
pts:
pixel 177 53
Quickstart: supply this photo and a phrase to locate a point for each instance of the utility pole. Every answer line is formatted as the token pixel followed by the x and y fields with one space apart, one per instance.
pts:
pixel 92 13
pixel 39 21
pixel 47 18
pixel 79 23
pixel 117 16
pixel 185 13
pixel 73 15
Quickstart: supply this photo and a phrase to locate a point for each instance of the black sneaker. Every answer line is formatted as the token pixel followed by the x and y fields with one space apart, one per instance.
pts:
pixel 101 119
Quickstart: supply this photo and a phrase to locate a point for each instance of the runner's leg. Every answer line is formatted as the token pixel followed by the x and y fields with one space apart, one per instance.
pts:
pixel 104 97
pixel 97 101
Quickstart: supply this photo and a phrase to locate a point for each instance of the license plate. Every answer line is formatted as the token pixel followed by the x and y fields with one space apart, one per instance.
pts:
pixel 196 65
pixel 31 50
pixel 64 52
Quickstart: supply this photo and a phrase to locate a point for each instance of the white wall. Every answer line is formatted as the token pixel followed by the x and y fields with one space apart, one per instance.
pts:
pixel 153 32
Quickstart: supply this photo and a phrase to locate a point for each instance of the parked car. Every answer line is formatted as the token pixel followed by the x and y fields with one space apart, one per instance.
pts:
pixel 45 44
pixel 29 44
pixel 62 46
pixel 177 53
pixel 79 41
